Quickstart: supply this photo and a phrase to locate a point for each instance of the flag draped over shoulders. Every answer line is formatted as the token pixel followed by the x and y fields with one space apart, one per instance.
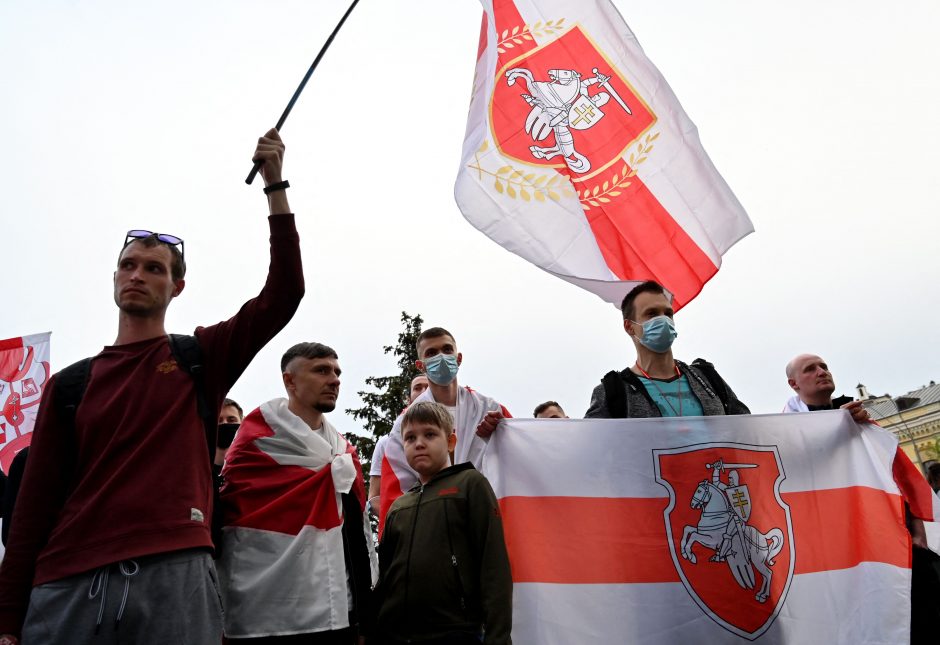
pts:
pixel 283 566
pixel 776 529
pixel 579 158
pixel 398 477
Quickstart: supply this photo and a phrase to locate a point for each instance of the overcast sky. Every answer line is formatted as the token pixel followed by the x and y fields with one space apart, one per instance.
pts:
pixel 821 116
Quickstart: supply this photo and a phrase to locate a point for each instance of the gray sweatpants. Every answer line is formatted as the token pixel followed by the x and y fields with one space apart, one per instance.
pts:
pixel 160 599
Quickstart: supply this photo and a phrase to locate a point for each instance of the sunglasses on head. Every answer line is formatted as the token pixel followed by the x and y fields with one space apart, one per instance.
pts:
pixel 139 234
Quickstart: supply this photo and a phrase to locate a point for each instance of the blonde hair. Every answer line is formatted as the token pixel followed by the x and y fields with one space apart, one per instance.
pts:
pixel 429 412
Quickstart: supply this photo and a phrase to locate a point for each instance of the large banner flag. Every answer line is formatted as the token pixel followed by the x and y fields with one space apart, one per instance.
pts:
pixel 579 158
pixel 24 372
pixel 772 529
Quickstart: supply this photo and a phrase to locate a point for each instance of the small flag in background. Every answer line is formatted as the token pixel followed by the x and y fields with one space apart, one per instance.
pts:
pixel 24 372
pixel 579 158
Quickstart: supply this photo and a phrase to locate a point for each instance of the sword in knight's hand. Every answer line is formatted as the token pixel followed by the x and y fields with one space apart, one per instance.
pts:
pixel 730 466
pixel 606 85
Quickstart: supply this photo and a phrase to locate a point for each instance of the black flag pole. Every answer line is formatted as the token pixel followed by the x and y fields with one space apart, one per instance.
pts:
pixel 303 83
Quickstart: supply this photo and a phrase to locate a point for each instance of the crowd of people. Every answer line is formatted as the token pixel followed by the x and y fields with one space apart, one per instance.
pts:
pixel 151 509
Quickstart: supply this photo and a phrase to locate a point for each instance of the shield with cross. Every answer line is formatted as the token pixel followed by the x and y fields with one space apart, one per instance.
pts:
pixel 584 114
pixel 740 500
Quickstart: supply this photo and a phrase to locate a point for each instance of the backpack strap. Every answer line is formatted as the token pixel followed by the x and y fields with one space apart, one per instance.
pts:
pixel 188 355
pixel 616 395
pixel 716 382
pixel 70 384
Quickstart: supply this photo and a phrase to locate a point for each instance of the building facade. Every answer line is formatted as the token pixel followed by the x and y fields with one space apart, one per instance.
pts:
pixel 913 417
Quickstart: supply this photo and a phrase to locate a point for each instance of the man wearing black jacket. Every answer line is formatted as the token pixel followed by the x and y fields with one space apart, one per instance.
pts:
pixel 657 385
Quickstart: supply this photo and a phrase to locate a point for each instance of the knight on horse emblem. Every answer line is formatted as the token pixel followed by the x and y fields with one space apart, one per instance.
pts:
pixel 723 527
pixel 560 105
pixel 730 533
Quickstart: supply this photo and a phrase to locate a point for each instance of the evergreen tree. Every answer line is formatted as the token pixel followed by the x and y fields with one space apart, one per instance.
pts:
pixel 383 406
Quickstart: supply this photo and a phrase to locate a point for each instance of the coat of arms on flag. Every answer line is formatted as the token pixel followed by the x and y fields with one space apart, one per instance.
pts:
pixel 580 159
pixel 571 99
pixel 729 532
pixel 24 371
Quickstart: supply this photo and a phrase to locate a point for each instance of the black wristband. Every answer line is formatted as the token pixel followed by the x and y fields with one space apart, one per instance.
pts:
pixel 281 185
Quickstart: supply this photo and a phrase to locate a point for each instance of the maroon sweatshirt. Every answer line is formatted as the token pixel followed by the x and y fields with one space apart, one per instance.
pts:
pixel 133 478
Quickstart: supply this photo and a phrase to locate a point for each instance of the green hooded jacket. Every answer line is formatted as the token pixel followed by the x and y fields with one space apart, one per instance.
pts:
pixel 443 563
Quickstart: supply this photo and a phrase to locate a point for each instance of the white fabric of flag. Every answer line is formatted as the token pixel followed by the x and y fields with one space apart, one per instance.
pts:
pixel 769 529
pixel 579 158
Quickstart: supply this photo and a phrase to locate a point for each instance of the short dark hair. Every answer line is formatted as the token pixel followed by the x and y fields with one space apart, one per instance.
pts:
pixel 428 412
pixel 177 265
pixel 432 332
pixel 933 475
pixel 650 286
pixel 541 407
pixel 231 402
pixel 307 350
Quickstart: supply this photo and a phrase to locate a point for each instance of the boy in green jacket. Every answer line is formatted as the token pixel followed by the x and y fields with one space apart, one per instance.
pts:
pixel 444 571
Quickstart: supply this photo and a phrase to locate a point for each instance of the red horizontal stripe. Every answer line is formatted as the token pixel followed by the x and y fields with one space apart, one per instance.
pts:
pixel 586 540
pixel 843 527
pixel 582 540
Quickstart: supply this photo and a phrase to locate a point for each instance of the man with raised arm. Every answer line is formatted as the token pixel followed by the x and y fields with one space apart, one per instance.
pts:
pixel 111 539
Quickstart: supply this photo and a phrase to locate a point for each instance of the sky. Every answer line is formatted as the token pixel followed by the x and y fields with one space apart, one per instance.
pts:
pixel 820 116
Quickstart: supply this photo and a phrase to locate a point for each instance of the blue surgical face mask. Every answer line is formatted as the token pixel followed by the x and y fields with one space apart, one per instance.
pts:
pixel 441 369
pixel 658 334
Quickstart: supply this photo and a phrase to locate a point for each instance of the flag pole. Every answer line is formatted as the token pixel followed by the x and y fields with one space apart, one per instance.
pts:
pixel 303 83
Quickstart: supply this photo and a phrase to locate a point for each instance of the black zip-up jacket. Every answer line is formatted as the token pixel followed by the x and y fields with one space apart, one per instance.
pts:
pixel 707 386
pixel 443 564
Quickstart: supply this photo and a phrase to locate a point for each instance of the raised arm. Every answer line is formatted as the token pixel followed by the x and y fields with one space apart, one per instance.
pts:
pixel 270 152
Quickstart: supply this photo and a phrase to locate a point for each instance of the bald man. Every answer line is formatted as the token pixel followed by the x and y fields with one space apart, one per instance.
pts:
pixel 810 378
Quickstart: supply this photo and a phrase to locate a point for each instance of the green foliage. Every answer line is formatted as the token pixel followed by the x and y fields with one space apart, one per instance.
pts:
pixel 933 449
pixel 382 407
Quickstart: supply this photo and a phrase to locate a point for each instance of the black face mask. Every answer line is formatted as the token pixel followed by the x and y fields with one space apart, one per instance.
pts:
pixel 226 434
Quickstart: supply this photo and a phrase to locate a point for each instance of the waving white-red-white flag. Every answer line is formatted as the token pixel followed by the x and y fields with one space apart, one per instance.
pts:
pixel 24 371
pixel 579 158
pixel 773 529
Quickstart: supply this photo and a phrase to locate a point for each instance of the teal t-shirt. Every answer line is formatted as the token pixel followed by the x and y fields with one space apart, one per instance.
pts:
pixel 668 394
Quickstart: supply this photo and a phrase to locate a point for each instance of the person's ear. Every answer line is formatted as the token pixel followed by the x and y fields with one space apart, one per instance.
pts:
pixel 178 284
pixel 451 442
pixel 459 358
pixel 288 379
pixel 420 365
pixel 628 327
pixel 792 382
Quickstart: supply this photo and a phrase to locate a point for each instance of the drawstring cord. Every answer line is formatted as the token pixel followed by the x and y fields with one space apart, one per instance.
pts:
pixel 99 586
pixel 128 573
